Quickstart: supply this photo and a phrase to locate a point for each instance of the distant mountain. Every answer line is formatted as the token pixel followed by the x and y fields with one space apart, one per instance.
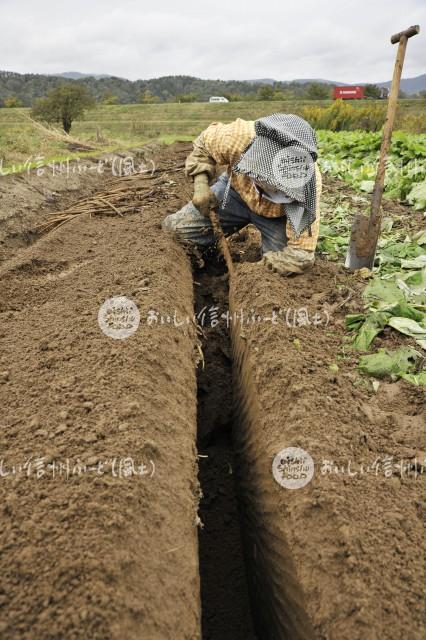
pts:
pixel 261 81
pixel 297 81
pixel 408 85
pixel 76 75
pixel 319 81
pixel 28 87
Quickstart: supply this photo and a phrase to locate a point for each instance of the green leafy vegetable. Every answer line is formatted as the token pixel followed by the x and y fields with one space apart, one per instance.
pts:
pixel 418 379
pixel 410 328
pixel 382 293
pixel 386 363
pixel 417 196
pixel 372 326
pixel 352 156
pixel 388 304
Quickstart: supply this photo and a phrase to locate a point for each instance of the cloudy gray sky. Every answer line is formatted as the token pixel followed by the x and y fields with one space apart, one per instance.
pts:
pixel 340 40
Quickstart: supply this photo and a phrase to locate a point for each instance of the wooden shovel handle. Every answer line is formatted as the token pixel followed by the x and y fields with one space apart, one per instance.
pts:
pixel 221 241
pixel 402 38
pixel 365 236
pixel 408 33
pixel 201 181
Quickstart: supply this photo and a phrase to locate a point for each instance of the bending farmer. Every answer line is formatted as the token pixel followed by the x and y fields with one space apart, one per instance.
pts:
pixel 272 181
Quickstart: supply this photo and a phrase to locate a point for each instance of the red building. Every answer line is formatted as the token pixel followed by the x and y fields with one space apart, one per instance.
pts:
pixel 348 93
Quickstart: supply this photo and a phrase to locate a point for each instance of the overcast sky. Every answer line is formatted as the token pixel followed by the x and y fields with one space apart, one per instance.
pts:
pixel 340 40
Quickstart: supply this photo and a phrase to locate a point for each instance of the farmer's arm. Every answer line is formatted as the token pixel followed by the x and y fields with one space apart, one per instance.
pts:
pixel 305 241
pixel 219 144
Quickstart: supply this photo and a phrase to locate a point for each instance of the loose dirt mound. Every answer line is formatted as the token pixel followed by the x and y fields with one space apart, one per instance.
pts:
pixel 26 197
pixel 85 552
pixel 340 557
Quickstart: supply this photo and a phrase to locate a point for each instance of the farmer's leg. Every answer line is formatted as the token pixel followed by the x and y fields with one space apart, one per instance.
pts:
pixel 272 230
pixel 191 225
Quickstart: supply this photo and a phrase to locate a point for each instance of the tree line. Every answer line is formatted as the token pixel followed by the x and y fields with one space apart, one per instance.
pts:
pixel 24 89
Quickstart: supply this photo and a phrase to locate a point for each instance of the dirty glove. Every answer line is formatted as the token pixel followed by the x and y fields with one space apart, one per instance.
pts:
pixel 289 260
pixel 204 199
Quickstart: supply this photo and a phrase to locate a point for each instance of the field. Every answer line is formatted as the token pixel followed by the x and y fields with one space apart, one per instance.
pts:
pixel 124 126
pixel 143 484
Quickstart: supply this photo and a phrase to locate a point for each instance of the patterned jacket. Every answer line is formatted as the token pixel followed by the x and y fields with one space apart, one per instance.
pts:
pixel 223 144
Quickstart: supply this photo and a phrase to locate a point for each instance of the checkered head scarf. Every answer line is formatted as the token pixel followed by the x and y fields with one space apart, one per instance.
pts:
pixel 283 155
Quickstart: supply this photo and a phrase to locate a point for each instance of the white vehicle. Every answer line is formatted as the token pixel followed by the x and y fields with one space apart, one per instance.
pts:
pixel 218 99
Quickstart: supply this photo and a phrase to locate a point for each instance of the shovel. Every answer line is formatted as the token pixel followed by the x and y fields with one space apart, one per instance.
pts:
pixel 201 183
pixel 221 241
pixel 365 231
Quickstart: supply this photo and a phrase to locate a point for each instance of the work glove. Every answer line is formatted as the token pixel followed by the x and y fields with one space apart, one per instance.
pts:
pixel 204 198
pixel 289 260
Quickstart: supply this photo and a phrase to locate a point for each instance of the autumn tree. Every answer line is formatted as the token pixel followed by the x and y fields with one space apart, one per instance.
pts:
pixel 12 101
pixel 147 97
pixel 318 91
pixel 64 104
pixel 372 91
pixel 265 93
pixel 109 98
pixel 186 97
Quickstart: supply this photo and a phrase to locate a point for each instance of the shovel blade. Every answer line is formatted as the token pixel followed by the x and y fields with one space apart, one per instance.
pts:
pixel 362 244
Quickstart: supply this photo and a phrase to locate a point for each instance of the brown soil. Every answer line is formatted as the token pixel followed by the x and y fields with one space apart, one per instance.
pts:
pixel 26 197
pixel 341 557
pixel 225 603
pixel 98 556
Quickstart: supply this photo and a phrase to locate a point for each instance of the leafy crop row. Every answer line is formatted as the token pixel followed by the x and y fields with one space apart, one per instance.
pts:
pixel 352 156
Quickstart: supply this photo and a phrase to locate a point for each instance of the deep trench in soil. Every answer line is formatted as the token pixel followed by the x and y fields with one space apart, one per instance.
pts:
pixel 226 613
